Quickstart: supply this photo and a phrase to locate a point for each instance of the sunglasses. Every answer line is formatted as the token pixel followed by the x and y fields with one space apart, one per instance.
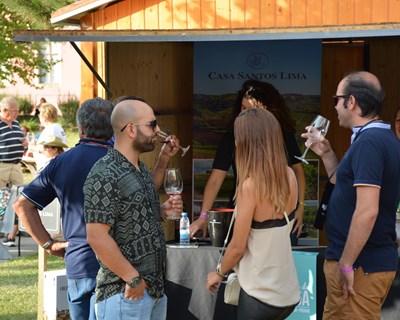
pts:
pixel 336 98
pixel 152 124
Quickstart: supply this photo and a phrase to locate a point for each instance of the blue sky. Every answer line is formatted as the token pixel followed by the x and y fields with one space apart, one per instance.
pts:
pixel 292 66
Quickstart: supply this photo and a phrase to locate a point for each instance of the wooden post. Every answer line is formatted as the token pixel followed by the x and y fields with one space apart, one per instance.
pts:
pixel 42 267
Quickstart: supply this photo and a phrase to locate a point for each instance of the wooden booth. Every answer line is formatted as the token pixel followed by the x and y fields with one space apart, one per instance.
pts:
pixel 145 48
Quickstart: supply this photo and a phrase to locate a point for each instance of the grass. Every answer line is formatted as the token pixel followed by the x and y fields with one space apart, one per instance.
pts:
pixel 18 278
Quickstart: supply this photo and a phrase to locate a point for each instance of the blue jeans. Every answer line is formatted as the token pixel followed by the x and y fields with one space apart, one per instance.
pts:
pixel 81 298
pixel 117 307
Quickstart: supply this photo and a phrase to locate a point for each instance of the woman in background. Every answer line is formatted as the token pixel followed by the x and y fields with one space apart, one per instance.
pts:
pixel 48 119
pixel 254 94
pixel 266 198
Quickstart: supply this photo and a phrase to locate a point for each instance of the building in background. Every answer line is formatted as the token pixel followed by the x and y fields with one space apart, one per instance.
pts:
pixel 61 83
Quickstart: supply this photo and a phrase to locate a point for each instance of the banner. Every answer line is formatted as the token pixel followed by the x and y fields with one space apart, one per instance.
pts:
pixel 306 267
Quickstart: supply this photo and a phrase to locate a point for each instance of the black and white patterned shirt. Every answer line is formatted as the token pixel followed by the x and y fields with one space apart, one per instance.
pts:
pixel 117 194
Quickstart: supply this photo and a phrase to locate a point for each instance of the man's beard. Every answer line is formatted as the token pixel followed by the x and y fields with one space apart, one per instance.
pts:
pixel 143 143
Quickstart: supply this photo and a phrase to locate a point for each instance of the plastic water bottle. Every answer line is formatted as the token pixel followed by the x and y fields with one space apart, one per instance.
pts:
pixel 184 229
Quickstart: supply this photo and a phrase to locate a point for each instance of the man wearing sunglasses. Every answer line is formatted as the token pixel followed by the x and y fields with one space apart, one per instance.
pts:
pixel 361 257
pixel 123 220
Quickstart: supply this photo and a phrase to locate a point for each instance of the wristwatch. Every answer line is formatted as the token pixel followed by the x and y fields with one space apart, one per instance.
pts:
pixel 48 243
pixel 135 282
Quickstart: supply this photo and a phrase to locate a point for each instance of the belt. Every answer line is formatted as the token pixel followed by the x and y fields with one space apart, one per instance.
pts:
pixel 11 162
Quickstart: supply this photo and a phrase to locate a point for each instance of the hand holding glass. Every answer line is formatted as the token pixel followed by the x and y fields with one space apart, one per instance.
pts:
pixel 163 135
pixel 173 185
pixel 318 128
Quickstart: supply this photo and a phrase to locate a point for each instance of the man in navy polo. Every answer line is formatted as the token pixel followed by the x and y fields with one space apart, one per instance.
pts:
pixel 63 178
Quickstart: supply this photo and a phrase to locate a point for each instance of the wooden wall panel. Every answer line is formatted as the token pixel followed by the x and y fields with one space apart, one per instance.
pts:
pixel 166 10
pixel 364 11
pixel 298 12
pixel 211 14
pixel 207 14
pixel 252 12
pixel 110 18
pixel 222 14
pixel 124 15
pixel 385 63
pixel 137 14
pixel 337 60
pixel 346 12
pixel 239 16
pixel 283 13
pixel 162 74
pixel 151 14
pixel 313 13
pixel 194 14
pixel 380 10
pixel 180 13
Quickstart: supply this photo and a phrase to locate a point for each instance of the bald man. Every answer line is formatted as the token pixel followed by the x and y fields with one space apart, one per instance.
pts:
pixel 361 257
pixel 123 220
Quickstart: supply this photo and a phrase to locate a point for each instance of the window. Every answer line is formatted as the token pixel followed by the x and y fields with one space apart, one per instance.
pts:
pixel 51 51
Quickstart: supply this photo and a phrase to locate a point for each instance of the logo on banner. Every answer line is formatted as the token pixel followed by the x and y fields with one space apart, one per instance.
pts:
pixel 257 60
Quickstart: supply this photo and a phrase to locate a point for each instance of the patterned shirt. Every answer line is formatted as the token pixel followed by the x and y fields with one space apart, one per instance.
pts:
pixel 11 149
pixel 117 194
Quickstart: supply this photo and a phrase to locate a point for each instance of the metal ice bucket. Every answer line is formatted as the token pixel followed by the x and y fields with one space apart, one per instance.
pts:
pixel 218 224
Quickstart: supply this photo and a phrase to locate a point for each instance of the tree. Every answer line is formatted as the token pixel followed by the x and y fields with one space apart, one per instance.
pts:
pixel 23 59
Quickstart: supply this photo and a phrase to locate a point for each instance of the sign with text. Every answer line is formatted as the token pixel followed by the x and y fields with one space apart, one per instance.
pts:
pixel 50 216
pixel 306 267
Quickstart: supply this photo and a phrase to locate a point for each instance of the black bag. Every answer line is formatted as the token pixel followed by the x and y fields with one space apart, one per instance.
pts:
pixel 320 217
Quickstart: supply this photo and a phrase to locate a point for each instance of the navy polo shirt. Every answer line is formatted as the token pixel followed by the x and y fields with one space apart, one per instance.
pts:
pixel 373 159
pixel 63 178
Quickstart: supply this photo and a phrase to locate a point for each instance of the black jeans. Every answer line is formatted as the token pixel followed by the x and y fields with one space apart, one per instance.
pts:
pixel 252 309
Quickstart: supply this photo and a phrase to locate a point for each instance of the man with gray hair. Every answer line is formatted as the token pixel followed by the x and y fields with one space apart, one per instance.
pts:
pixel 63 178
pixel 12 145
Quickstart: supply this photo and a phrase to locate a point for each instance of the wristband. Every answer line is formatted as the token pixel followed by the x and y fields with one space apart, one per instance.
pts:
pixel 302 203
pixel 345 270
pixel 203 215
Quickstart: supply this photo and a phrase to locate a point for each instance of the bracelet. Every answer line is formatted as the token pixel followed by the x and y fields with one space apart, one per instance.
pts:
pixel 218 271
pixel 302 203
pixel 203 215
pixel 345 270
pixel 48 243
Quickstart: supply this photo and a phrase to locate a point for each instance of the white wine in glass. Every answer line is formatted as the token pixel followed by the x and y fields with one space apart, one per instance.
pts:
pixel 318 128
pixel 173 185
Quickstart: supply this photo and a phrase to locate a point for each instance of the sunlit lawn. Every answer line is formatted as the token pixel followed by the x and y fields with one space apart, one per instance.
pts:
pixel 18 283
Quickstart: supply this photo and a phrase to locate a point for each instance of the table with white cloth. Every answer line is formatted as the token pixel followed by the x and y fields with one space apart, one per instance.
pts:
pixel 188 298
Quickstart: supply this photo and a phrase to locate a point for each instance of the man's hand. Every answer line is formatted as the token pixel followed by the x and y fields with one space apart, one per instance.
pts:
pixel 320 147
pixel 135 293
pixel 57 248
pixel 172 207
pixel 170 147
pixel 348 282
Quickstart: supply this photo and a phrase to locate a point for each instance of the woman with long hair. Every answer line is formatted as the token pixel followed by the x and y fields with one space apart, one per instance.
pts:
pixel 254 94
pixel 266 199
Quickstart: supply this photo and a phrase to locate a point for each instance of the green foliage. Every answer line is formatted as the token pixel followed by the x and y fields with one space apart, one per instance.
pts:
pixel 68 109
pixel 31 122
pixel 22 59
pixel 18 278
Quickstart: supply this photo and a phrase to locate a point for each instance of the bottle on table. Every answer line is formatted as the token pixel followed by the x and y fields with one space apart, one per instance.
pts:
pixel 184 230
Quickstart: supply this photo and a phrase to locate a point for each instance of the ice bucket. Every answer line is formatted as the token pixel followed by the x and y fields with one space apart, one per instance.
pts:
pixel 218 224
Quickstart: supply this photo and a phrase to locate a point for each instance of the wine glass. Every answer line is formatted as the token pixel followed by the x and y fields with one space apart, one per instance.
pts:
pixel 163 135
pixel 173 185
pixel 30 137
pixel 318 128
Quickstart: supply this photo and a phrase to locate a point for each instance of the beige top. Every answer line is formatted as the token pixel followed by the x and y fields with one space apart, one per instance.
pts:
pixel 267 271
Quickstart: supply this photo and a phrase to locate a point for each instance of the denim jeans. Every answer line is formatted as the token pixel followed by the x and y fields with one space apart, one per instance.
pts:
pixel 117 307
pixel 81 298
